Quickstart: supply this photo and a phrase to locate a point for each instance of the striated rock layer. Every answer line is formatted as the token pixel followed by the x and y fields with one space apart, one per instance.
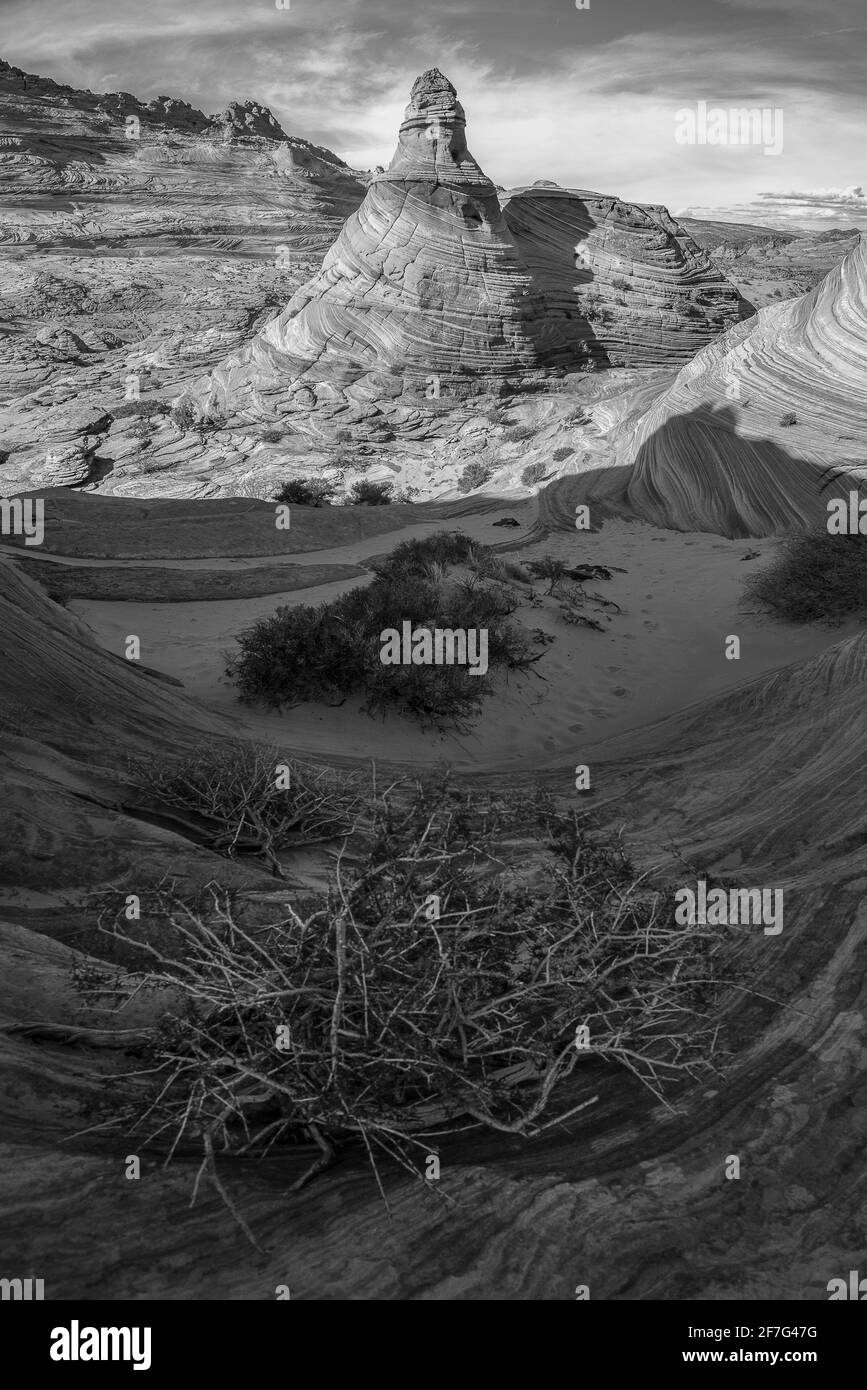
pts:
pixel 627 278
pixel 762 427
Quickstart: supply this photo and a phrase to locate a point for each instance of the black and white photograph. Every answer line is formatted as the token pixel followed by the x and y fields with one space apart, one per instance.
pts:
pixel 433 645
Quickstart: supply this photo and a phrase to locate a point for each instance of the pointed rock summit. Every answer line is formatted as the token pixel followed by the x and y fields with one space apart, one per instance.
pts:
pixel 424 279
pixel 432 141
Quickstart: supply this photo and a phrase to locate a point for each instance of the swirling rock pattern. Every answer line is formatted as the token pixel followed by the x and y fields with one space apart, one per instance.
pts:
pixel 624 277
pixel 432 277
pixel 742 441
pixel 425 278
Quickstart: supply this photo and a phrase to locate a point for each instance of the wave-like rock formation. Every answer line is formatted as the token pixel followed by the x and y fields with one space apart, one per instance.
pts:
pixel 627 278
pixel 762 428
pixel 425 278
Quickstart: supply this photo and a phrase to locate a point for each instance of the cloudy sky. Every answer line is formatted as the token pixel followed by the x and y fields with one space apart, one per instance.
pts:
pixel 587 97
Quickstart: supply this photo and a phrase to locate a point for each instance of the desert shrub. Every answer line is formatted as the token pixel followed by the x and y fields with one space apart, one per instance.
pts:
pixel 215 420
pixel 141 407
pixel 516 434
pixel 416 557
pixel 184 415
pixel 548 568
pixel 143 430
pixel 534 473
pixel 692 311
pixel 815 577
pixel 326 653
pixel 356 1019
pixel 272 434
pixel 305 492
pixel 619 282
pixel 790 418
pixel 366 493
pixel 475 473
pixel 560 454
pixel 230 791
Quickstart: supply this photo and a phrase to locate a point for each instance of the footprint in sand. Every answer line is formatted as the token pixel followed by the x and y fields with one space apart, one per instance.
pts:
pixel 601 714
pixel 575 728
pixel 612 670
pixel 621 692
pixel 647 623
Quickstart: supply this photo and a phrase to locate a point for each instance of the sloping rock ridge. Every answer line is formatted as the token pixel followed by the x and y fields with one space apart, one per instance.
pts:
pixel 623 275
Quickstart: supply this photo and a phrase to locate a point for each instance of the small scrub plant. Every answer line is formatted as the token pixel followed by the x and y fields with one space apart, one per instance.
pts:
pixel 305 492
pixel 366 493
pixel 140 407
pixel 619 282
pixel 814 578
pixel 209 424
pixel 143 431
pixel 534 473
pixel 184 416
pixel 330 652
pixel 550 569
pixel 474 475
pixel 790 418
pixel 560 454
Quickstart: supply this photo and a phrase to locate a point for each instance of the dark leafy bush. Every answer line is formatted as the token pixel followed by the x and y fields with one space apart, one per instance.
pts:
pixel 185 417
pixel 305 492
pixel 534 473
pixel 328 652
pixel 475 474
pixel 790 418
pixel 366 493
pixel 143 406
pixel 815 577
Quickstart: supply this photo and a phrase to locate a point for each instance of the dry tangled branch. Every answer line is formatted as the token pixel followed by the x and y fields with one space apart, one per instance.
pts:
pixel 234 797
pixel 428 988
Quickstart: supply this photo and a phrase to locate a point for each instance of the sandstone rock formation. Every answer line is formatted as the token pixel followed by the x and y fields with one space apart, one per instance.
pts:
pixel 431 278
pixel 742 440
pixel 627 278
pixel 425 278
pixel 139 233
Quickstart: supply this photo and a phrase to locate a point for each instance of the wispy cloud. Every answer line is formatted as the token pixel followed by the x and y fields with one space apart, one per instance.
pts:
pixel 586 98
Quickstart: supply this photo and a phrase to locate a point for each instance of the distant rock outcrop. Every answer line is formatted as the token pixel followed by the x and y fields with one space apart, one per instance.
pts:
pixel 627 277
